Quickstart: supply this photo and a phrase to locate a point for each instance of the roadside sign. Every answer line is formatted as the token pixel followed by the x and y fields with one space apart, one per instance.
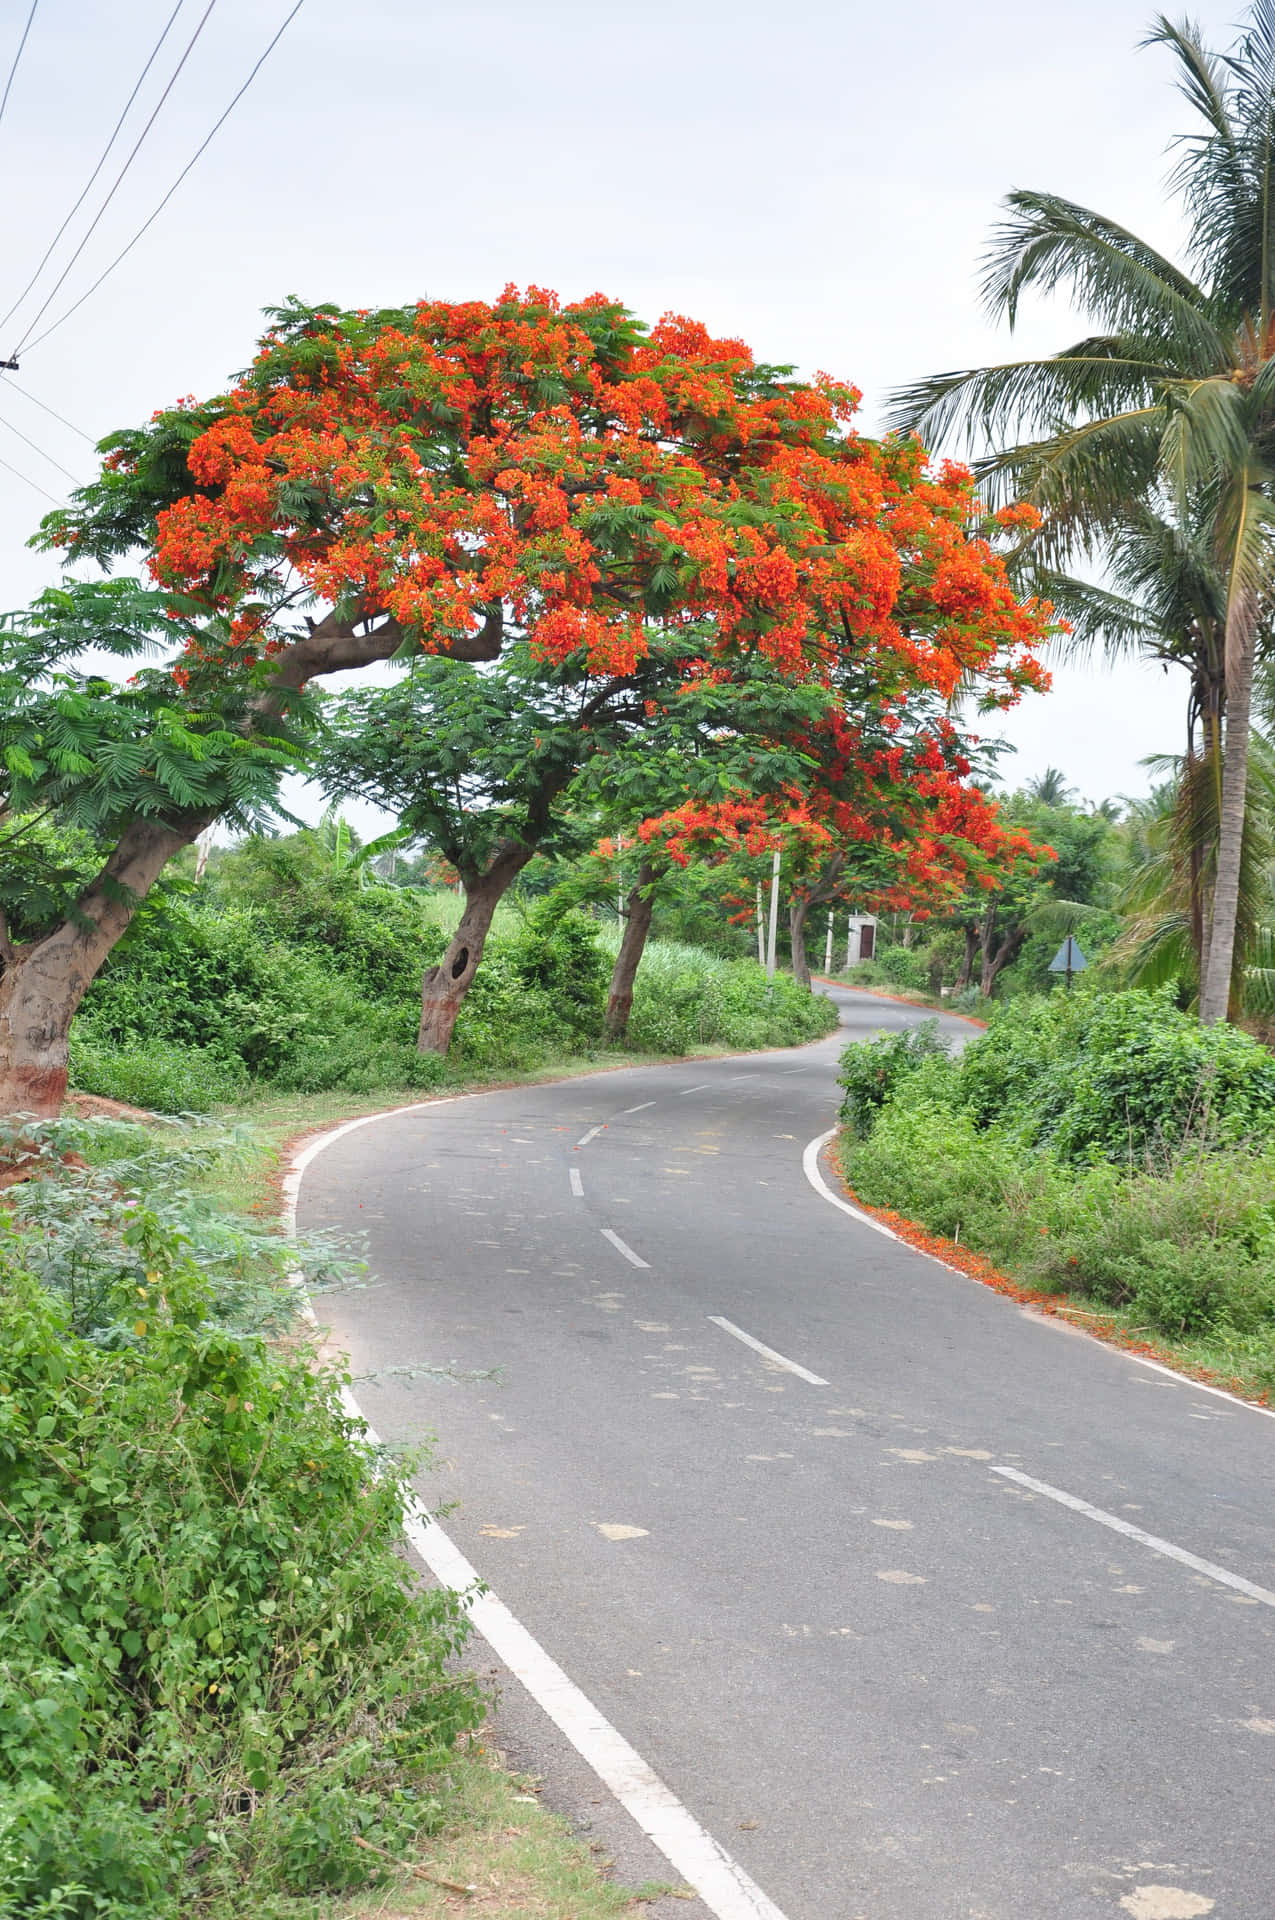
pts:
pixel 1068 959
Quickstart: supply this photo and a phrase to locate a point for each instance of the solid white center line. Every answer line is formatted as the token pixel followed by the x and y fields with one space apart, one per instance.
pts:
pixel 701 1088
pixel 592 1134
pixel 577 1184
pixel 1131 1532
pixel 768 1353
pixel 635 1259
pixel 641 1108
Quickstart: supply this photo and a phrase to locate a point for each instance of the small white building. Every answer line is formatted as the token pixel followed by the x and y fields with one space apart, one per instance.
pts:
pixel 861 937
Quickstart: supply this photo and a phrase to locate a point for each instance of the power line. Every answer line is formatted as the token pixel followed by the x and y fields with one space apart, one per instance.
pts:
pixel 92 227
pixel 88 187
pixel 18 474
pixel 40 450
pixel 148 223
pixel 17 56
pixel 51 411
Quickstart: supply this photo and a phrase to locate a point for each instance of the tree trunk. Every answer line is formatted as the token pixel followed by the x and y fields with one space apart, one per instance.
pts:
pixel 1241 635
pixel 967 964
pixel 443 988
pixel 997 958
pixel 798 908
pixel 637 926
pixel 45 980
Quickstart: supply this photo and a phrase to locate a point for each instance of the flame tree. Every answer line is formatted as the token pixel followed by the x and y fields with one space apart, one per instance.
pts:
pixel 455 478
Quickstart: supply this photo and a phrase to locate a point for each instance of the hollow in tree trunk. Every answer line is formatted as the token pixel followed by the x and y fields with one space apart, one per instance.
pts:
pixel 1241 637
pixel 637 925
pixel 443 988
pixel 44 980
pixel 798 908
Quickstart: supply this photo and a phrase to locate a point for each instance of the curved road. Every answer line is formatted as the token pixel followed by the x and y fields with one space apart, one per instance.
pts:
pixel 894 1681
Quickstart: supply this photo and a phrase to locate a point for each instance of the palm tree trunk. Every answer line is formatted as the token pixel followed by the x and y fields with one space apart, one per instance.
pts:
pixel 1241 636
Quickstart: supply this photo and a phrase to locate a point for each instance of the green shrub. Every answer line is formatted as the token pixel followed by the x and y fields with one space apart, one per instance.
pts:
pixel 156 1075
pixel 557 954
pixel 1117 1076
pixel 1021 1148
pixel 215 1668
pixel 685 997
pixel 77 1219
pixel 871 1070
pixel 904 967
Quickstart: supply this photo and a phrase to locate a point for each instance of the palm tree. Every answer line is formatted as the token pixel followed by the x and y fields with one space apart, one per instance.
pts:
pixel 1051 788
pixel 1160 896
pixel 1168 404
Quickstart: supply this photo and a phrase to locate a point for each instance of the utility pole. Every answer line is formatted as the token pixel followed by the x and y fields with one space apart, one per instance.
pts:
pixel 774 917
pixel 827 952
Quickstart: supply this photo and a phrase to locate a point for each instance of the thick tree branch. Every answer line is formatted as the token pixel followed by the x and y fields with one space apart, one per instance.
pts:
pixel 339 646
pixel 8 952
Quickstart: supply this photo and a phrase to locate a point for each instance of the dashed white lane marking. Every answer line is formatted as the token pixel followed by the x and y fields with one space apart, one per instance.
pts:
pixel 634 1259
pixel 641 1107
pixel 592 1134
pixel 810 1167
pixel 768 1353
pixel 689 1848
pixel 1117 1525
pixel 703 1087
pixel 577 1184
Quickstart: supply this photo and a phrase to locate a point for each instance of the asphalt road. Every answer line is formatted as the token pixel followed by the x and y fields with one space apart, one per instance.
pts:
pixel 894 1683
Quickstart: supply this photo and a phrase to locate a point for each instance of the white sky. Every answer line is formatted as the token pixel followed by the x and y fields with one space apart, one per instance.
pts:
pixel 819 179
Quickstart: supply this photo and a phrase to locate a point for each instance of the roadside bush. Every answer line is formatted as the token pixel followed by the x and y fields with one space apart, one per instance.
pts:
pixel 873 1069
pixel 157 1075
pixel 557 955
pixel 1117 1076
pixel 904 967
pixel 78 1219
pixel 1106 1146
pixel 685 997
pixel 215 1668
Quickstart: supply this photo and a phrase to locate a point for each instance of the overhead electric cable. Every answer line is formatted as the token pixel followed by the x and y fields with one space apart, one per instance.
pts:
pixel 17 56
pixel 93 223
pixel 53 413
pixel 18 474
pixel 40 450
pixel 102 159
pixel 198 153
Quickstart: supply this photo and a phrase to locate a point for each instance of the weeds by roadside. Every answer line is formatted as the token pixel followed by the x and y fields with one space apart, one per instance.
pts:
pixel 1106 1150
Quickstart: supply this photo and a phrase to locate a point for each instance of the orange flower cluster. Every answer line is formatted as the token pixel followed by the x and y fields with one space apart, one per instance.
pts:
pixel 883 822
pixel 595 481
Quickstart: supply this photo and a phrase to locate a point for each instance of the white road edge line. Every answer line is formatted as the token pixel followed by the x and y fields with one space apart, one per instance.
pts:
pixel 810 1167
pixel 1152 1540
pixel 592 1134
pixel 634 1259
pixel 689 1848
pixel 577 1184
pixel 768 1353
pixel 641 1107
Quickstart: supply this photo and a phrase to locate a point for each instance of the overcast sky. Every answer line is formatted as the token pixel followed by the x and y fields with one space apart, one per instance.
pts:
pixel 819 179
